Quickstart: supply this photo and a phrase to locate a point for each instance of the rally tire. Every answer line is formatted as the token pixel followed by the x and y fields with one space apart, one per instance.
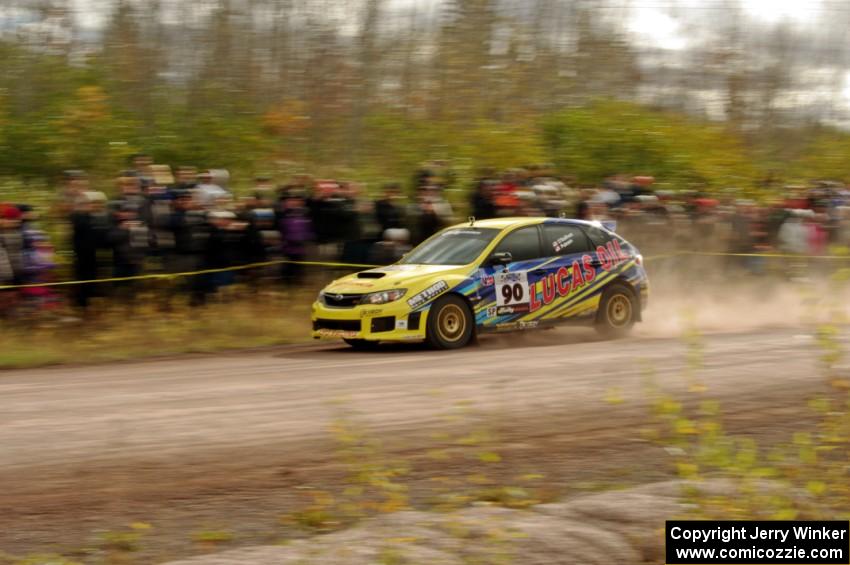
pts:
pixel 450 324
pixel 362 344
pixel 618 311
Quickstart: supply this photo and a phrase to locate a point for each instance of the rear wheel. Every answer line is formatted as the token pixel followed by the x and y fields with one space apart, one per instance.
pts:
pixel 362 344
pixel 617 312
pixel 450 323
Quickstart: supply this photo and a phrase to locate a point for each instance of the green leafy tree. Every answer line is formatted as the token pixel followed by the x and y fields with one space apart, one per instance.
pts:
pixel 611 136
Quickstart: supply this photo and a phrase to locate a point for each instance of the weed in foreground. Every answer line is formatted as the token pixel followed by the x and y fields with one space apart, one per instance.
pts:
pixel 805 476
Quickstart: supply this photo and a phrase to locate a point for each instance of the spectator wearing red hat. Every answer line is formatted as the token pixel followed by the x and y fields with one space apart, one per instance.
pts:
pixel 12 244
pixel 6 272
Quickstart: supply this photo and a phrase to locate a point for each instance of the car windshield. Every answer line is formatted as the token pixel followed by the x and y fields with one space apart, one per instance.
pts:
pixel 458 246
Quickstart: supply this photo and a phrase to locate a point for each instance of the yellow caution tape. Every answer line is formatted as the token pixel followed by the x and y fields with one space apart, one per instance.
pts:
pixel 160 276
pixel 664 256
pixel 768 255
pixel 190 273
pixel 771 255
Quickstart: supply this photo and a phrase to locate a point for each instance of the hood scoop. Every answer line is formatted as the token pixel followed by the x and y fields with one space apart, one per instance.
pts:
pixel 371 275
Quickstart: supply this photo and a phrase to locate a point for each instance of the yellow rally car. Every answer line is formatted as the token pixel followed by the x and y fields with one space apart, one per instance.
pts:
pixel 490 275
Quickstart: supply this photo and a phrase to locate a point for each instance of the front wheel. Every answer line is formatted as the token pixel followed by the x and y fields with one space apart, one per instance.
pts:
pixel 450 323
pixel 617 311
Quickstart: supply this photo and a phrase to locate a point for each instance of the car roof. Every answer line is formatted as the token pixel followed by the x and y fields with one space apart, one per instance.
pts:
pixel 503 223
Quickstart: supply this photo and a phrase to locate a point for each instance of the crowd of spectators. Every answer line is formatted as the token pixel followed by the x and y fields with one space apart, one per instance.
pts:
pixel 188 221
pixel 796 220
pixel 159 221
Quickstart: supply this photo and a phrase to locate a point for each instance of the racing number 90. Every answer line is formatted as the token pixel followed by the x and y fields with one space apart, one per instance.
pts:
pixel 513 292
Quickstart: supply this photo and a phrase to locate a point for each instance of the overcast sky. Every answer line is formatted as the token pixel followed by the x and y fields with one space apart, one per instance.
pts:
pixel 667 24
pixel 645 15
pixel 657 21
pixel 652 22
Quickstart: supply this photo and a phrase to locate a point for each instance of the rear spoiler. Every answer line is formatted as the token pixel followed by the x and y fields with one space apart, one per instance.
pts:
pixel 610 225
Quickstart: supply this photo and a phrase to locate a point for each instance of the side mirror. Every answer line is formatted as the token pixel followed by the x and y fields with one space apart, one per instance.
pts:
pixel 502 258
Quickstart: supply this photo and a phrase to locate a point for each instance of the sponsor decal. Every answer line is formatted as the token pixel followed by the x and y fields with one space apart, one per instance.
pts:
pixel 360 284
pixel 567 280
pixel 401 324
pixel 461 232
pixel 486 280
pixel 563 242
pixel 512 288
pixel 515 309
pixel 337 333
pixel 373 312
pixel 516 326
pixel 611 254
pixel 491 311
pixel 428 294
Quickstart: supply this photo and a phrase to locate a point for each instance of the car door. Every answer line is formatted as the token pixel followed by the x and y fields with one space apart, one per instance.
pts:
pixel 569 274
pixel 512 284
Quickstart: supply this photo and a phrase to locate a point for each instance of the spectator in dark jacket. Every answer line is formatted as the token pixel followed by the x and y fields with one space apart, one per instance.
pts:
pixel 326 209
pixel 88 234
pixel 128 238
pixel 221 248
pixel 188 230
pixel 482 200
pixel 387 211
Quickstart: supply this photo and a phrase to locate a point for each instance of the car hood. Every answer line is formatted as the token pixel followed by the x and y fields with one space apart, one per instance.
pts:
pixel 385 278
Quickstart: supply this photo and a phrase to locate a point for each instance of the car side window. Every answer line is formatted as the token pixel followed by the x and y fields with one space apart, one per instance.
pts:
pixel 600 237
pixel 523 244
pixel 564 239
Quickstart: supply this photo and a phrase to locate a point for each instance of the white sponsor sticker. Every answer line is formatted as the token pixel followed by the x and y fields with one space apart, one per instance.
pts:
pixel 428 294
pixel 401 324
pixel 512 288
pixel 563 242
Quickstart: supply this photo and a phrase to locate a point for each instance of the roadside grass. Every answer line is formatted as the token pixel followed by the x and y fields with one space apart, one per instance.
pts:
pixel 118 333
pixel 802 477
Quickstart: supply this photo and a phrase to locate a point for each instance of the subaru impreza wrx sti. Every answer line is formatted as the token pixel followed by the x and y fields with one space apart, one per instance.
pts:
pixel 497 275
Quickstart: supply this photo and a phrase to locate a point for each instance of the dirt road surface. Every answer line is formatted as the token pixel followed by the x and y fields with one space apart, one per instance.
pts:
pixel 221 440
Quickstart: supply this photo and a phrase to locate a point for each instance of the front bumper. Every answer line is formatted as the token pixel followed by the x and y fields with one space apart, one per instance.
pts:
pixel 386 322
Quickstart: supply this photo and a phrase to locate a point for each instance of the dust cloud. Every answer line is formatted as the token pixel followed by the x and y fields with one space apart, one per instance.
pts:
pixel 717 301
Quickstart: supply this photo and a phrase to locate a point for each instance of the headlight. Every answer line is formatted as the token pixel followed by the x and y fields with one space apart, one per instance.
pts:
pixel 383 296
